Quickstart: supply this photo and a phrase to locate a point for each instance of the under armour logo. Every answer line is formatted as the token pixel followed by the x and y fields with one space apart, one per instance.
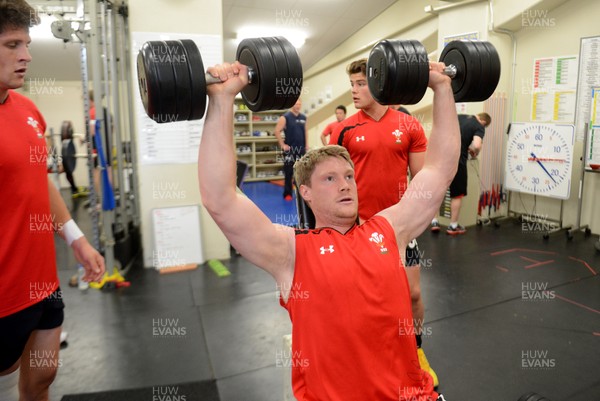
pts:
pixel 360 138
pixel 330 249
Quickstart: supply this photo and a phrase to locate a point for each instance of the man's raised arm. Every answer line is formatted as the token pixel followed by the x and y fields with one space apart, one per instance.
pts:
pixel 269 246
pixel 424 195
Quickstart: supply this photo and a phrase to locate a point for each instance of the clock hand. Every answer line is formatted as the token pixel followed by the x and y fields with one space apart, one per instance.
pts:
pixel 542 166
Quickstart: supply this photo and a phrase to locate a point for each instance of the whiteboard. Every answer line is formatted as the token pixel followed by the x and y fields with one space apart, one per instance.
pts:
pixel 177 239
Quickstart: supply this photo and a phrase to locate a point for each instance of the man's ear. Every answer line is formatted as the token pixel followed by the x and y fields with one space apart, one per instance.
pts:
pixel 306 193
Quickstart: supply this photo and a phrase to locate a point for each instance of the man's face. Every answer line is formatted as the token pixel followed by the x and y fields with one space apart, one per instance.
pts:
pixel 360 91
pixel 340 115
pixel 14 58
pixel 297 107
pixel 332 193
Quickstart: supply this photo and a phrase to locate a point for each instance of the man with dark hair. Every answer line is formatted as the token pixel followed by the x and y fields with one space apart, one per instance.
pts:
pixel 385 145
pixel 472 130
pixel 31 311
pixel 342 283
pixel 340 115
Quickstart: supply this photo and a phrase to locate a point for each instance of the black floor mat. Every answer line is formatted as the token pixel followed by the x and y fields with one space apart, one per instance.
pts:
pixel 196 391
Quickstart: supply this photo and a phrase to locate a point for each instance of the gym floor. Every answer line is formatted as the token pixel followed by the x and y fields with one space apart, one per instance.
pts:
pixel 506 313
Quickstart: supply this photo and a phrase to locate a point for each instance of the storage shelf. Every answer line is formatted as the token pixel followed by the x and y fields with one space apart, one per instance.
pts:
pixel 256 156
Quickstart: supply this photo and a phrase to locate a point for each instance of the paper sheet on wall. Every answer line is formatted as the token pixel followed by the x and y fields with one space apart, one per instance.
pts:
pixel 177 238
pixel 589 77
pixel 592 150
pixel 554 89
pixel 171 142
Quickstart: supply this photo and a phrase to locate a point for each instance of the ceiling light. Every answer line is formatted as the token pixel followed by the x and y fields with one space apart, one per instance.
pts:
pixel 43 30
pixel 296 38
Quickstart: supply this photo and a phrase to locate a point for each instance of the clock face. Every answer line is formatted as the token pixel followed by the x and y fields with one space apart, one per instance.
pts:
pixel 539 159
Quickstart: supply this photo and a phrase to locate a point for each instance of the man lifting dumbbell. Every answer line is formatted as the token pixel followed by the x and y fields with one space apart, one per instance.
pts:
pixel 347 330
pixel 378 136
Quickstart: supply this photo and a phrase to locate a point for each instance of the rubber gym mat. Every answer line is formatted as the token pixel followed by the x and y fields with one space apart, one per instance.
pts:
pixel 195 391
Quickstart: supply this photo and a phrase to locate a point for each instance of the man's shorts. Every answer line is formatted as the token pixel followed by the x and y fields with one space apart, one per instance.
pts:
pixel 458 187
pixel 412 254
pixel 15 329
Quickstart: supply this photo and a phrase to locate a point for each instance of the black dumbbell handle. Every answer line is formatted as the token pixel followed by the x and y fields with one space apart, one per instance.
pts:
pixel 212 80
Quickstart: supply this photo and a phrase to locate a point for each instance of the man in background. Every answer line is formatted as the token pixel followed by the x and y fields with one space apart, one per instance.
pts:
pixel 340 115
pixel 472 130
pixel 293 143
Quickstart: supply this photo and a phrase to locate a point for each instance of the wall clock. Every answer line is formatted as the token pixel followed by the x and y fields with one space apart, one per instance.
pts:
pixel 539 159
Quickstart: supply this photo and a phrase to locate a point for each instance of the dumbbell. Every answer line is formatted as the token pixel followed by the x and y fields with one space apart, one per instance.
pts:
pixel 172 79
pixel 398 70
pixel 532 397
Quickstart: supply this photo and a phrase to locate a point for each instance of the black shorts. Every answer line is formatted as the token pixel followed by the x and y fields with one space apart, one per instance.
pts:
pixel 458 187
pixel 412 254
pixel 15 329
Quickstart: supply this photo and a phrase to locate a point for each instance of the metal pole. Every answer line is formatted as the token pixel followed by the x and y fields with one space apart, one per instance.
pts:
pixel 82 34
pixel 126 48
pixel 97 79
pixel 121 216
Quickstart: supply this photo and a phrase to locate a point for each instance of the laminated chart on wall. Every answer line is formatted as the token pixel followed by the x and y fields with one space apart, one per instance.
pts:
pixel 592 148
pixel 171 142
pixel 553 89
pixel 589 77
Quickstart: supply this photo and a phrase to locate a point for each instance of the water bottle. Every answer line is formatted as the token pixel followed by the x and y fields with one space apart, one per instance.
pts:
pixel 82 285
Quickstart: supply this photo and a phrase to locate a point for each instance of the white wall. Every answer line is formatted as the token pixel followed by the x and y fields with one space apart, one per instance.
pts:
pixel 571 21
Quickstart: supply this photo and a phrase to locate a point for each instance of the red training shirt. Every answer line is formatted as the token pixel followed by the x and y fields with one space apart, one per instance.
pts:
pixel 27 257
pixel 352 326
pixel 379 150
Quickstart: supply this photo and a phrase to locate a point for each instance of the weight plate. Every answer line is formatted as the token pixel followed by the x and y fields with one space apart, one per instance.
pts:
pixel 378 76
pixel 281 72
pixel 197 80
pixel 158 69
pixel 407 58
pixel 147 81
pixel 258 95
pixel 418 65
pixel 183 87
pixel 384 72
pixel 462 55
pixel 293 82
pixel 478 92
pixel 495 66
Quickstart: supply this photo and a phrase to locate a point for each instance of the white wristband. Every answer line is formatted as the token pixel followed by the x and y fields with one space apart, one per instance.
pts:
pixel 71 232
